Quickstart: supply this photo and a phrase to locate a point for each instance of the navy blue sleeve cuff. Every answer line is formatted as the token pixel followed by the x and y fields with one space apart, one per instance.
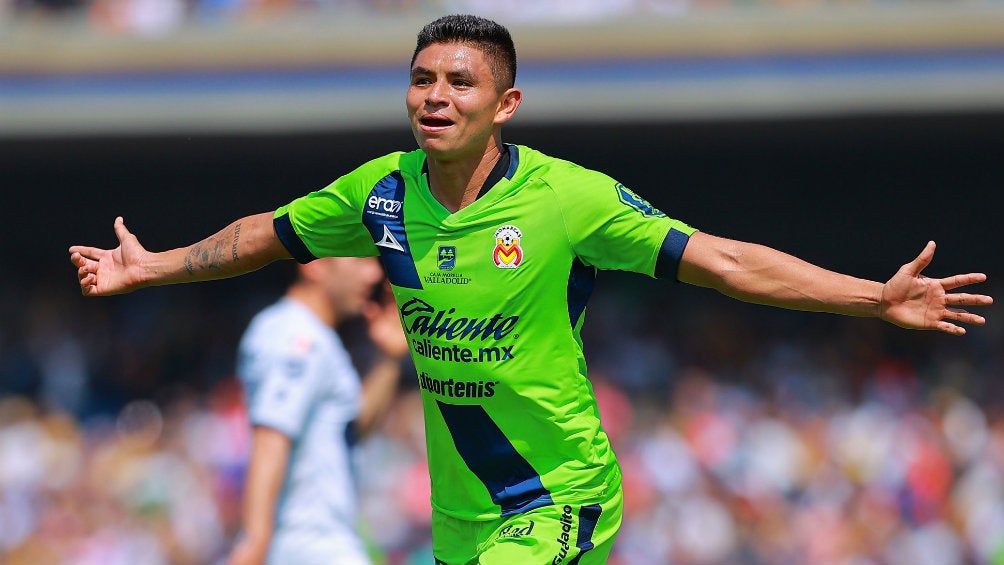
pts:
pixel 284 230
pixel 668 262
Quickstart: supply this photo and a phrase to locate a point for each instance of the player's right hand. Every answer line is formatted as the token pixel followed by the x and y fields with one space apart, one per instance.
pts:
pixel 104 272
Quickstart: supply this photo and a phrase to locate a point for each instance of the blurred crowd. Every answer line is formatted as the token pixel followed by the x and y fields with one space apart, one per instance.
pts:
pixel 748 436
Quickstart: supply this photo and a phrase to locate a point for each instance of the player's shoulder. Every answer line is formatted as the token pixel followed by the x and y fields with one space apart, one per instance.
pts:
pixel 385 164
pixel 531 159
pixel 362 180
pixel 563 177
pixel 535 163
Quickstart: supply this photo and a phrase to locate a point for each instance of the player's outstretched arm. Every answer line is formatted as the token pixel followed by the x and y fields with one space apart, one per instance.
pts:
pixel 760 274
pixel 245 245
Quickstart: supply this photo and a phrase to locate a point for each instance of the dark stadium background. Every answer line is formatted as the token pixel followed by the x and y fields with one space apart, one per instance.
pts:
pixel 854 193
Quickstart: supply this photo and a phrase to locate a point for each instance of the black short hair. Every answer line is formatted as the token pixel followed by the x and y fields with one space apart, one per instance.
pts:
pixel 490 37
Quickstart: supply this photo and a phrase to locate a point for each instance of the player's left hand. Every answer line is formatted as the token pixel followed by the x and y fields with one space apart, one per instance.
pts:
pixel 911 300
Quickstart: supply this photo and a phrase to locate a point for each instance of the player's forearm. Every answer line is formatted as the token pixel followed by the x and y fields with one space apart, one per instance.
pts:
pixel 244 246
pixel 762 275
pixel 794 284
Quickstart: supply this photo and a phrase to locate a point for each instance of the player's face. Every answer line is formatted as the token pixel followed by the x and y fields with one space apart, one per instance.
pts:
pixel 453 102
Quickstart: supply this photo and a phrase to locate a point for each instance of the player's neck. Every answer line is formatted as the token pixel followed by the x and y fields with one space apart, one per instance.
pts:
pixel 456 184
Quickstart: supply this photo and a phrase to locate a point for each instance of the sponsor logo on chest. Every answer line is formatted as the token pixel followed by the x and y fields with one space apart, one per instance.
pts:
pixel 446 262
pixel 507 252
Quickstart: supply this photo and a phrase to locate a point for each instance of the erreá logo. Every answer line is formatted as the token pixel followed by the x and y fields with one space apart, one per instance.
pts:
pixel 382 204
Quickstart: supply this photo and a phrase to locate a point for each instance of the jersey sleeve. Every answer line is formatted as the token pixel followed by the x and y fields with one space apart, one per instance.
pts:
pixel 611 227
pixel 328 222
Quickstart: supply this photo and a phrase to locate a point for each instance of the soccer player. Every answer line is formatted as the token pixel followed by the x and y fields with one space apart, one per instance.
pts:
pixel 492 250
pixel 307 406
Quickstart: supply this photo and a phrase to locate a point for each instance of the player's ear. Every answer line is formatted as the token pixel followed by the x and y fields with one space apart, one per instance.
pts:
pixel 507 105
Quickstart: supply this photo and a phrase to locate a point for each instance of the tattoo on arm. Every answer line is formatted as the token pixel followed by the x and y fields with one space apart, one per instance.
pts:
pixel 237 236
pixel 205 255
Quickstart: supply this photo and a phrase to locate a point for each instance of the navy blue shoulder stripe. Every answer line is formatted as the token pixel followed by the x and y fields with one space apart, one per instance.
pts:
pixel 383 216
pixel 668 263
pixel 284 230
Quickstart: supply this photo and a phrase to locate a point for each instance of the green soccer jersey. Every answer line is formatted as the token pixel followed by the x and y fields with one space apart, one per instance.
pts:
pixel 492 299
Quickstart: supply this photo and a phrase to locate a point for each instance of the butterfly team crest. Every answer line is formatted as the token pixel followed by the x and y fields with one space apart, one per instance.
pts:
pixel 508 254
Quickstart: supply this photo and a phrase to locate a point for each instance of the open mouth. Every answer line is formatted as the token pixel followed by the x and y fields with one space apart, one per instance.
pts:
pixel 434 122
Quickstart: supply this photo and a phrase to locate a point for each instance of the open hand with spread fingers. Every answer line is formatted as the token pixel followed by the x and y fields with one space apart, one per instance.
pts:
pixel 912 300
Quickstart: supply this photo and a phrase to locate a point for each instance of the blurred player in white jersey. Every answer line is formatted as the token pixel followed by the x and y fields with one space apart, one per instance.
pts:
pixel 307 405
